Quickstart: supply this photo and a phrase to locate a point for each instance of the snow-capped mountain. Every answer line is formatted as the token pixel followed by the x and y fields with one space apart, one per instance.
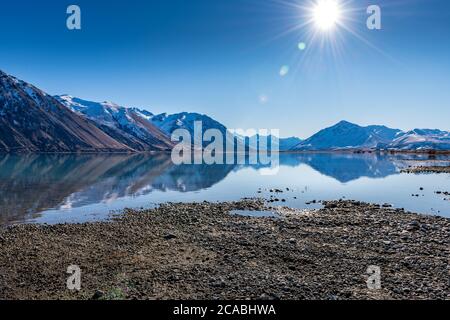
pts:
pixel 346 135
pixel 130 126
pixel 168 123
pixel 33 121
pixel 422 139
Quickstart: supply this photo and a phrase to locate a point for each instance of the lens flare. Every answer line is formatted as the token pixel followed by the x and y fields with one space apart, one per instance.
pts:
pixel 263 99
pixel 284 70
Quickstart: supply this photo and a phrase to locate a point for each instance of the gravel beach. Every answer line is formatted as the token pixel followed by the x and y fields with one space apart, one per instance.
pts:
pixel 201 251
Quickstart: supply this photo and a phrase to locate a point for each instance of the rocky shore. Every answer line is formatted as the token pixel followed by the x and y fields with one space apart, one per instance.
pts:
pixel 428 169
pixel 201 251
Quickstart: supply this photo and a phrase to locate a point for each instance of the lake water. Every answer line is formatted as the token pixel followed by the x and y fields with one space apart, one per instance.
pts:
pixel 78 188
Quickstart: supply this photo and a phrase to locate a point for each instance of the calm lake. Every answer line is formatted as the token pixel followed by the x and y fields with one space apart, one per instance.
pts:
pixel 78 188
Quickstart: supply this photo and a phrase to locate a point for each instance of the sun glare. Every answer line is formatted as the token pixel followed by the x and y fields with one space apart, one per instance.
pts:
pixel 326 14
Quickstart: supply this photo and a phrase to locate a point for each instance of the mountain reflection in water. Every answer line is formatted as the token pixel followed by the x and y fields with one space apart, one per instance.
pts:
pixel 31 184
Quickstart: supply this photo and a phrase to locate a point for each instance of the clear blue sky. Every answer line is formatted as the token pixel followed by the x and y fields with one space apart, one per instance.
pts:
pixel 219 57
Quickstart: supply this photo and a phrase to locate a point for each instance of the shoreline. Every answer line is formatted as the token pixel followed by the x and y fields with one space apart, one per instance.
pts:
pixel 427 169
pixel 201 251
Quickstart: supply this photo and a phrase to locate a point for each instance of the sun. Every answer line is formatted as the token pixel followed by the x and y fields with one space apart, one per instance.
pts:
pixel 326 14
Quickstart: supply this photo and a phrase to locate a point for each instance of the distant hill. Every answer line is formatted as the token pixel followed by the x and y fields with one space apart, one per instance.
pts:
pixel 349 136
pixel 346 135
pixel 265 142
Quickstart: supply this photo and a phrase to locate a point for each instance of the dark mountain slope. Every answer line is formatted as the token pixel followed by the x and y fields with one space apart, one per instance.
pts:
pixel 33 121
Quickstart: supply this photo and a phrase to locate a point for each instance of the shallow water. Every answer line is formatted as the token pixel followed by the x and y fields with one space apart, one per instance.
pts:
pixel 78 188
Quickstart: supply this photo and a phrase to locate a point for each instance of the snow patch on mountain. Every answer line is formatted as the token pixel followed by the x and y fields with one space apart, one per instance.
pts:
pixel 185 120
pixel 422 139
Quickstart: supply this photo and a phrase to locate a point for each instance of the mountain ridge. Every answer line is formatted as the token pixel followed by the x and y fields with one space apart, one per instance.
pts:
pixel 33 121
pixel 130 126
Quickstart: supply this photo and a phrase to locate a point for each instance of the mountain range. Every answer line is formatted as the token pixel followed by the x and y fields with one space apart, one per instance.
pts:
pixel 34 121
